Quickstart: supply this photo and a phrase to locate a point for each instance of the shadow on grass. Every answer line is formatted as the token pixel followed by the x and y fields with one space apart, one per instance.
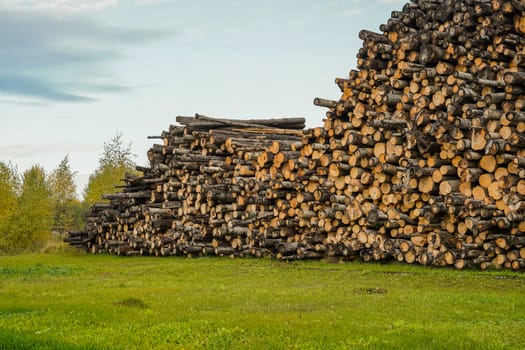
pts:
pixel 132 302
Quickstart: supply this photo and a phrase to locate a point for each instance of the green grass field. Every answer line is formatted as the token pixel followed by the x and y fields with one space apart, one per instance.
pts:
pixel 106 302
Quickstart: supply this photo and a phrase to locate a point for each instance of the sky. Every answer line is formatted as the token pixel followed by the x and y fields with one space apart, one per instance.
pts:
pixel 73 73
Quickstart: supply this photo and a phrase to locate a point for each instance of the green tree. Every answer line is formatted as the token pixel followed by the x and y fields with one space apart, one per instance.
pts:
pixel 29 226
pixel 116 154
pixel 116 160
pixel 9 188
pixel 67 213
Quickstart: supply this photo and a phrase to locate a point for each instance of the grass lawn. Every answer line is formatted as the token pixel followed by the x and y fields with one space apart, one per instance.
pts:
pixel 106 302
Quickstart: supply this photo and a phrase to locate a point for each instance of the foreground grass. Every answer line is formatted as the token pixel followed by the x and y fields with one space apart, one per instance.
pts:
pixel 106 302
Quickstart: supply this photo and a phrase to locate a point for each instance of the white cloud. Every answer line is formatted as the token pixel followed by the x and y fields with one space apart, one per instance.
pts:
pixel 62 58
pixel 63 5
pixel 353 12
pixel 39 150
pixel 20 101
pixel 388 2
pixel 75 5
pixel 149 2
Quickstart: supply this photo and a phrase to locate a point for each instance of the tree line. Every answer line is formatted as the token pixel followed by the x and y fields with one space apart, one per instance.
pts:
pixel 35 205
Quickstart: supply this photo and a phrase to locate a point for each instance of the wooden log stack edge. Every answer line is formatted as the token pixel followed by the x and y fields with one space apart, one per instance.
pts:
pixel 421 160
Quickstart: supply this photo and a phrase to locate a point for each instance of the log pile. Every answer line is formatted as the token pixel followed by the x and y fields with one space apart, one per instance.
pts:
pixel 422 159
pixel 209 190
pixel 432 126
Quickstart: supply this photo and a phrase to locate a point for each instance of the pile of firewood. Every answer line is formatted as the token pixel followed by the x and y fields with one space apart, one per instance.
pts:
pixel 422 159
pixel 432 127
pixel 210 189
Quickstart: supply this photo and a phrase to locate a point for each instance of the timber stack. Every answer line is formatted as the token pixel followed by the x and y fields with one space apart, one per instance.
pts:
pixel 422 159
pixel 209 190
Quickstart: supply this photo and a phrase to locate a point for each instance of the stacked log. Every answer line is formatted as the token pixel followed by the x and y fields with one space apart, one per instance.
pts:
pixel 432 127
pixel 209 190
pixel 421 160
